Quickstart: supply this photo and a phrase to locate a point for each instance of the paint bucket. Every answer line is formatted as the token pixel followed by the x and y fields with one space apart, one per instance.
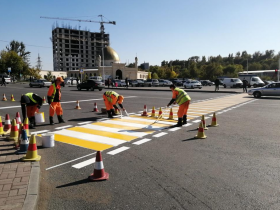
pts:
pixel 39 117
pixel 48 140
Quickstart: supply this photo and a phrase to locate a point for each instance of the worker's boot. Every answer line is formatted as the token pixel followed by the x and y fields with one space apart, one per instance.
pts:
pixel 32 123
pixel 184 119
pixel 113 112
pixel 51 121
pixel 60 119
pixel 109 114
pixel 179 123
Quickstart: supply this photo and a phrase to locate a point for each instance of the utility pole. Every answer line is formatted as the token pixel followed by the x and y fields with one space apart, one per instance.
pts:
pixel 278 70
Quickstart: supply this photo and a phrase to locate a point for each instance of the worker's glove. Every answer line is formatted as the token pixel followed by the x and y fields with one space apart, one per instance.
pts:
pixel 49 100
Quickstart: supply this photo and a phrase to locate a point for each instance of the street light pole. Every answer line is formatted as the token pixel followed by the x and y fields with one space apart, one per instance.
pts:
pixel 247 65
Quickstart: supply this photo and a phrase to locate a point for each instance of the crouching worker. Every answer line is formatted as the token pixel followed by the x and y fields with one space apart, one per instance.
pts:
pixel 30 103
pixel 54 96
pixel 111 98
pixel 183 100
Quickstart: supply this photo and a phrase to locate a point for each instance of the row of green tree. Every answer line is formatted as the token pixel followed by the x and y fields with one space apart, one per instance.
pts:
pixel 213 67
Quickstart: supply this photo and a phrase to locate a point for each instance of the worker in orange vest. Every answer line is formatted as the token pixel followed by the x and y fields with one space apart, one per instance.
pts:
pixel 111 98
pixel 54 96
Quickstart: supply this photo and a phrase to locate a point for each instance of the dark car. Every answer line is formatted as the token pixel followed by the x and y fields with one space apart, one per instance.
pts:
pixel 91 85
pixel 206 82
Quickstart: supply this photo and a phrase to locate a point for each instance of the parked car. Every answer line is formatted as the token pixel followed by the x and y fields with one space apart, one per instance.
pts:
pixel 137 83
pixel 272 89
pixel 232 82
pixel 91 85
pixel 7 78
pixel 151 82
pixel 123 84
pixel 40 83
pixel 177 82
pixel 206 82
pixel 192 84
pixel 267 82
pixel 68 80
pixel 163 82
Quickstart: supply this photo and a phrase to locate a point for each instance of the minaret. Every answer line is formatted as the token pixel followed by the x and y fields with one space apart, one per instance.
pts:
pixel 136 62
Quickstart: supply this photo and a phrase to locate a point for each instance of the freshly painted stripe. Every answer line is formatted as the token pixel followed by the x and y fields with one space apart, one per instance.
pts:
pixel 81 142
pixel 102 119
pixel 90 137
pixel 206 117
pixel 174 129
pixel 62 127
pixel 187 125
pixel 124 128
pixel 69 161
pixel 116 151
pixel 115 130
pixel 160 134
pixel 131 113
pixel 196 121
pixel 119 122
pixel 43 131
pixel 145 119
pixel 82 123
pixel 103 133
pixel 141 141
pixel 84 163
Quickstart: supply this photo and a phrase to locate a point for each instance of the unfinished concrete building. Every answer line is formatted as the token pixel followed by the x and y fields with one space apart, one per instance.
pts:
pixel 75 49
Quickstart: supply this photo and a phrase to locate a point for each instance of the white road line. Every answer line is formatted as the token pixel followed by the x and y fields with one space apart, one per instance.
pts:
pixel 118 122
pixel 187 125
pixel 84 163
pixel 160 134
pixel 115 130
pixel 131 113
pixel 199 113
pixel 69 161
pixel 141 141
pixel 85 122
pixel 174 129
pixel 43 131
pixel 116 151
pixel 148 120
pixel 62 127
pixel 206 117
pixel 90 137
pixel 196 121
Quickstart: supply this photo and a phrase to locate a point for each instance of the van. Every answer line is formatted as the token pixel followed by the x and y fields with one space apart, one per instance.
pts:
pixel 232 82
pixel 7 78
pixel 252 80
pixel 96 78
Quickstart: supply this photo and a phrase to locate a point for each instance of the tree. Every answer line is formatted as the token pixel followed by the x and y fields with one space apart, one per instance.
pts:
pixel 19 48
pixel 34 72
pixel 13 60
pixel 155 76
pixel 49 76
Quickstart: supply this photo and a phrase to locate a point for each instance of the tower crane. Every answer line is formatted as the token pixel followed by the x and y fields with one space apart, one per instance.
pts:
pixel 102 29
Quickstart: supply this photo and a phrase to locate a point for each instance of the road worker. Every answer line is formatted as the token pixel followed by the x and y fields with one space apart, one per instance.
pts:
pixel 54 96
pixel 30 102
pixel 111 98
pixel 183 100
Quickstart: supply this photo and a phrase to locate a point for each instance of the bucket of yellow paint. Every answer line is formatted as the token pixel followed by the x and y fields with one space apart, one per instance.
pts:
pixel 39 117
pixel 48 140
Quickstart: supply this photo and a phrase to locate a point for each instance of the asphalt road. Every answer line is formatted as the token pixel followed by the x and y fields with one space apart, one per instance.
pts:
pixel 235 167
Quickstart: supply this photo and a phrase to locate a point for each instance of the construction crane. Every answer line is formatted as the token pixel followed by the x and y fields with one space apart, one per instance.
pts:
pixel 102 29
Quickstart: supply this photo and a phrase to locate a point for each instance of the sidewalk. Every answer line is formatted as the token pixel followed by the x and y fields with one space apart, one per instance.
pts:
pixel 19 181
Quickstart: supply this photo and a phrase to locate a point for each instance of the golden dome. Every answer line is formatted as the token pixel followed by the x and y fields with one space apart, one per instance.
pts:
pixel 110 54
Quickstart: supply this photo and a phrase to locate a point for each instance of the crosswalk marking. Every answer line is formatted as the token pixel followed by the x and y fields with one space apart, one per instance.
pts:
pixel 116 151
pixel 119 122
pixel 84 163
pixel 142 141
pixel 124 127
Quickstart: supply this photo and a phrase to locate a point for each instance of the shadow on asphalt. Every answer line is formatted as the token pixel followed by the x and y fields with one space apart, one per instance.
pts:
pixel 83 181
pixel 84 119
pixel 190 139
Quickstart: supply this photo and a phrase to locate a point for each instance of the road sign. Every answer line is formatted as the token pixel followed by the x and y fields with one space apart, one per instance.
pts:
pixel 81 71
pixel 9 69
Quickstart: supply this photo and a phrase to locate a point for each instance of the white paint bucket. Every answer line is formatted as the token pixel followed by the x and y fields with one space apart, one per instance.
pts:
pixel 39 117
pixel 48 140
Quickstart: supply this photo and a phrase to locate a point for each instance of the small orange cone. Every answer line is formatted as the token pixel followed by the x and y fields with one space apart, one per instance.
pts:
pixel 12 98
pixel 117 111
pixel 26 126
pixel 78 105
pixel 44 100
pixel 145 111
pixel 159 112
pixel 1 127
pixel 4 97
pixel 171 115
pixel 18 118
pixel 200 133
pixel 95 107
pixel 7 125
pixel 153 112
pixel 14 131
pixel 214 121
pixel 32 150
pixel 203 123
pixel 99 171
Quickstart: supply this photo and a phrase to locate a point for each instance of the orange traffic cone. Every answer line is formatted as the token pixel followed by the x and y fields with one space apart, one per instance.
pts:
pixel 145 111
pixel 95 107
pixel 32 150
pixel 203 123
pixel 214 121
pixel 153 112
pixel 18 118
pixel 26 126
pixel 78 105
pixel 117 111
pixel 171 115
pixel 200 133
pixel 7 125
pixel 12 98
pixel 159 112
pixel 44 100
pixel 1 127
pixel 4 97
pixel 99 172
pixel 14 131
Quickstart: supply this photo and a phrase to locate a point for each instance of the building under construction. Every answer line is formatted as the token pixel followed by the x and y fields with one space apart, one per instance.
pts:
pixel 75 49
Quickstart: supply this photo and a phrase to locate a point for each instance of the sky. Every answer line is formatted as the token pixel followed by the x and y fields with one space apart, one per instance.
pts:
pixel 152 30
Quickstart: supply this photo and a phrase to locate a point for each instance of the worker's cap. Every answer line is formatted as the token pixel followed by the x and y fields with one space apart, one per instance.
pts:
pixel 59 79
pixel 120 99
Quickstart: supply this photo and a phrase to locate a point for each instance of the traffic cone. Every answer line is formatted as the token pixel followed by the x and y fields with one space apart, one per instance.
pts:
pixel 44 100
pixel 18 118
pixel 145 111
pixel 200 133
pixel 153 112
pixel 26 126
pixel 1 127
pixel 160 112
pixel 23 143
pixel 95 108
pixel 32 150
pixel 117 111
pixel 203 123
pixel 14 131
pixel 7 125
pixel 12 98
pixel 214 121
pixel 78 105
pixel 19 135
pixel 99 172
pixel 171 115
pixel 4 97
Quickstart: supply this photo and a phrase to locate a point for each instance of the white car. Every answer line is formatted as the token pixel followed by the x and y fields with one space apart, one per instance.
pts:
pixel 192 84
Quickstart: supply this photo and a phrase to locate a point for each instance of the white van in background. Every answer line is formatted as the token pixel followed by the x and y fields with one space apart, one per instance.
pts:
pixel 232 82
pixel 252 80
pixel 96 78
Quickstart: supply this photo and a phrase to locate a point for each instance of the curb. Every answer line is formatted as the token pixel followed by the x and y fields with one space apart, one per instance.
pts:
pixel 31 199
